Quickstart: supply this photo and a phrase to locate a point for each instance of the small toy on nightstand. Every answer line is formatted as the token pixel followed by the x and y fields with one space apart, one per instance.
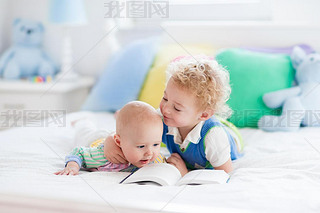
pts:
pixel 41 79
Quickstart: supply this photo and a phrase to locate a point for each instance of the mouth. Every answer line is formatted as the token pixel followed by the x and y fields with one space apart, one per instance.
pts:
pixel 144 162
pixel 165 117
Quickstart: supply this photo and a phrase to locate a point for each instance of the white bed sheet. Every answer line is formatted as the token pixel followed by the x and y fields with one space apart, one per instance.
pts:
pixel 280 172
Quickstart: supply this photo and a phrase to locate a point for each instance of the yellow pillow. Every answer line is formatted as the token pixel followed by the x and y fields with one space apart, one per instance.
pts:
pixel 168 52
pixel 154 84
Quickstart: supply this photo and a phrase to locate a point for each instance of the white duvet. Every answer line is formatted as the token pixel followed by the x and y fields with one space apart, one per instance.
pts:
pixel 280 172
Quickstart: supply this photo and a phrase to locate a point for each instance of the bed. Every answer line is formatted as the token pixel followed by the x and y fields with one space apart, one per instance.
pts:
pixel 280 171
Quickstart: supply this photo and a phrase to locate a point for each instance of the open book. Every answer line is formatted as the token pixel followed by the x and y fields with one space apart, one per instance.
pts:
pixel 164 174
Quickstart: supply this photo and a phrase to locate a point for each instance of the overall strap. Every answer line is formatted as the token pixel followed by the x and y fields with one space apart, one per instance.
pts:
pixel 214 122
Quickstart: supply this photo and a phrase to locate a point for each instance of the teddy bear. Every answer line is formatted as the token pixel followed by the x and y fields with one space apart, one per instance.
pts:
pixel 301 103
pixel 25 58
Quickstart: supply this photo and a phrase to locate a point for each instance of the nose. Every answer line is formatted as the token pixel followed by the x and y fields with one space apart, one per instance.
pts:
pixel 148 153
pixel 29 31
pixel 165 109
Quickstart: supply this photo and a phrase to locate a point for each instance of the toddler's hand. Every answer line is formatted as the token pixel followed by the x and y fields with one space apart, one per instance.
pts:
pixel 72 168
pixel 176 160
pixel 112 152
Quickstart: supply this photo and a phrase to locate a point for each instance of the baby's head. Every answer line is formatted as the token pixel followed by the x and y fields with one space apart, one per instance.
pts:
pixel 139 132
pixel 203 84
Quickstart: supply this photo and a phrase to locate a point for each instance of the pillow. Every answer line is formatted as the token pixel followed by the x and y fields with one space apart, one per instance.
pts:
pixel 251 75
pixel 123 77
pixel 154 85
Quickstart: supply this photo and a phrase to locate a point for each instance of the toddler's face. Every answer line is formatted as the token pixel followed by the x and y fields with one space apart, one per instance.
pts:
pixel 142 145
pixel 179 107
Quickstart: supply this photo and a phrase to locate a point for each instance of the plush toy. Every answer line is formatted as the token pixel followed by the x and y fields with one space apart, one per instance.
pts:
pixel 300 104
pixel 26 58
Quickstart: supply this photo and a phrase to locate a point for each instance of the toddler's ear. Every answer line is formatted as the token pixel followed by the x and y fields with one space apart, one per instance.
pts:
pixel 206 114
pixel 117 140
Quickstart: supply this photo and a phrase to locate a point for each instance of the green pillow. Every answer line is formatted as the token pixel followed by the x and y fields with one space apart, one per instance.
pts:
pixel 253 74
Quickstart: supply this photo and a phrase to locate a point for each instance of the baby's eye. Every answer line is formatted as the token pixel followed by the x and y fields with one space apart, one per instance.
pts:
pixel 140 147
pixel 165 99
pixel 177 109
pixel 156 144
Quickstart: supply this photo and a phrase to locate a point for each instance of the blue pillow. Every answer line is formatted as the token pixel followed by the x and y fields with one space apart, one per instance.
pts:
pixel 123 77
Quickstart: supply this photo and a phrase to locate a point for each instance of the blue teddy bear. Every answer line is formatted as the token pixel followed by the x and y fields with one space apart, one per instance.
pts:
pixel 300 104
pixel 26 57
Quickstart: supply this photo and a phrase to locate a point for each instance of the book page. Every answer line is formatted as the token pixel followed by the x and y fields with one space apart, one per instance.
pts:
pixel 204 176
pixel 161 173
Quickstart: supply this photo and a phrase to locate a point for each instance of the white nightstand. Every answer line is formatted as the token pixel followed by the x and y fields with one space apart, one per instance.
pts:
pixel 22 102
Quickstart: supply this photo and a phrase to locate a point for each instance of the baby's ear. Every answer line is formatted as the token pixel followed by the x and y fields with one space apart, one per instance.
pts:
pixel 206 114
pixel 117 140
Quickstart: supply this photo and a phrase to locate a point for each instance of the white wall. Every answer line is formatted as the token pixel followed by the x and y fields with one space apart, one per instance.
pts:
pixel 294 11
pixel 3 10
pixel 91 44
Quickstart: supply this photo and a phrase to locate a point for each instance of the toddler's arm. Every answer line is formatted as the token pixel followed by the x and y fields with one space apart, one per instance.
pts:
pixel 218 149
pixel 227 167
pixel 72 168
pixel 112 152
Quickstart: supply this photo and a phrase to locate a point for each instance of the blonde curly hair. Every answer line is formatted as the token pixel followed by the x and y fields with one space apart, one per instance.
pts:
pixel 204 77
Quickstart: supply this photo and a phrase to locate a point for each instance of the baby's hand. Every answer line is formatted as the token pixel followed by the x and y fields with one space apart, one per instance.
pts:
pixel 72 168
pixel 176 160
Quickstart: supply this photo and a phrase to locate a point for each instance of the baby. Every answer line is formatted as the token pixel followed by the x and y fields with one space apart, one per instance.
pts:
pixel 138 133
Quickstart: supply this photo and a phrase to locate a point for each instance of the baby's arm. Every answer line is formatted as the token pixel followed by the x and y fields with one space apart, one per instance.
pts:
pixel 83 157
pixel 72 168
pixel 73 162
pixel 112 152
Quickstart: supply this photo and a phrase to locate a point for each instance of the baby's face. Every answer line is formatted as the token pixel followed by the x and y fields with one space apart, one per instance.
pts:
pixel 142 144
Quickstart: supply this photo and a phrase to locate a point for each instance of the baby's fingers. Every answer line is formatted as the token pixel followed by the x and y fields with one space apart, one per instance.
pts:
pixel 57 173
pixel 176 156
pixel 64 172
pixel 171 160
pixel 60 172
